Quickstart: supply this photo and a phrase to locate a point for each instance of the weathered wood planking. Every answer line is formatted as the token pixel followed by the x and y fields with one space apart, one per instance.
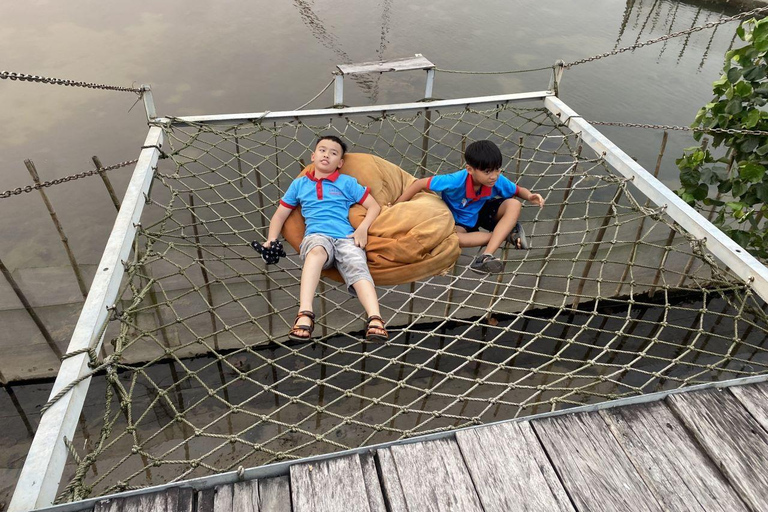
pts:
pixel 390 481
pixel 432 476
pixel 510 469
pixel 594 469
pixel 205 500
pixel 406 64
pixel 275 494
pixel 171 500
pixel 335 485
pixel 245 496
pixel 754 398
pixel 670 461
pixel 731 437
pixel 222 499
pixel 372 484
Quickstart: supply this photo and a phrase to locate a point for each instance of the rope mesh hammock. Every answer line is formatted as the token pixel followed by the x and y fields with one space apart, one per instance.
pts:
pixel 613 300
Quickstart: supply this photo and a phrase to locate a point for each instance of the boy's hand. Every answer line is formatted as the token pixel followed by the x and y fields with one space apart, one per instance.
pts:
pixel 536 199
pixel 360 237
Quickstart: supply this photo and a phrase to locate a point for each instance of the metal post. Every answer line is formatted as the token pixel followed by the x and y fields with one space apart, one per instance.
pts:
pixel 430 83
pixel 338 90
pixel 557 74
pixel 149 103
pixel 44 466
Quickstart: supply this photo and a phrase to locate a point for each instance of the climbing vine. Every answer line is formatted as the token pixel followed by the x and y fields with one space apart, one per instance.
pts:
pixel 735 184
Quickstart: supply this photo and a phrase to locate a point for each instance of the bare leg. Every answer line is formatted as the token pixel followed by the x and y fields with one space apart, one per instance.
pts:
pixel 310 277
pixel 474 239
pixel 506 218
pixel 366 292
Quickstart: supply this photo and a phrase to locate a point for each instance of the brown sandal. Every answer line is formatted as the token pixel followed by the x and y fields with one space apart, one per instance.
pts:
pixel 294 334
pixel 371 334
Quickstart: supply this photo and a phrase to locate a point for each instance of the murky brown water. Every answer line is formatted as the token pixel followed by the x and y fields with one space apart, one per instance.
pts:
pixel 203 58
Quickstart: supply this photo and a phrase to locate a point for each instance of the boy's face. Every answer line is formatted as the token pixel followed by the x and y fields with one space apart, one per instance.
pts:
pixel 327 156
pixel 486 177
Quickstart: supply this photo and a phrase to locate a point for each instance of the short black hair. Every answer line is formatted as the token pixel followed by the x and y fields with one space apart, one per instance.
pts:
pixel 483 155
pixel 334 139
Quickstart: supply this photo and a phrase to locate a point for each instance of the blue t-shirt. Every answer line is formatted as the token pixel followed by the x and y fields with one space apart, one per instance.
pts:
pixel 325 203
pixel 458 191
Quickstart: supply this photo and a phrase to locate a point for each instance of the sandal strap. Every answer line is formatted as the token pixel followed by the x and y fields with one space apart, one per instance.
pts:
pixel 375 317
pixel 308 314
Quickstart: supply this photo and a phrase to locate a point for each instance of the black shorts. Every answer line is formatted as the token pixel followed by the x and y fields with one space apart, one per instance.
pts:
pixel 486 218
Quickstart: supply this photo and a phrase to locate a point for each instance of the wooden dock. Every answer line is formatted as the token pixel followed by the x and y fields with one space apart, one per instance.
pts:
pixel 702 450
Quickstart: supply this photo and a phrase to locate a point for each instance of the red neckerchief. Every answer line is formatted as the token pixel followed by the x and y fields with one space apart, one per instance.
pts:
pixel 319 182
pixel 485 191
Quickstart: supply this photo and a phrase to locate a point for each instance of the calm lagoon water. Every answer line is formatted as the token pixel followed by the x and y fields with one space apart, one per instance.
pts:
pixel 232 56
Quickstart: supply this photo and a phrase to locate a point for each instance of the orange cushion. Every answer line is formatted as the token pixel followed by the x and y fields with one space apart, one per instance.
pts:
pixel 406 242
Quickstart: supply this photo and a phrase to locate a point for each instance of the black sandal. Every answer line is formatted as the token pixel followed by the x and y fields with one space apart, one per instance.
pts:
pixel 370 333
pixel 296 329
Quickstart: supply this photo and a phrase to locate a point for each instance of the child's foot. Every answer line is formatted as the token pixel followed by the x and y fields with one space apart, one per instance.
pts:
pixel 517 237
pixel 376 330
pixel 303 326
pixel 486 264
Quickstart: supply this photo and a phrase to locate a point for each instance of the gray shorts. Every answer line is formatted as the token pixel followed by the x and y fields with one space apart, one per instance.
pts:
pixel 348 258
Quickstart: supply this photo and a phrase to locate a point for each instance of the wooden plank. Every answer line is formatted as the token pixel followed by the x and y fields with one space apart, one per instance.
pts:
pixel 754 398
pixel 222 500
pixel 131 504
pixel 372 484
pixel 405 64
pixel 434 477
pixel 390 480
pixel 110 505
pixel 510 469
pixel 594 469
pixel 275 494
pixel 186 500
pixel 155 502
pixel 245 496
pixel 205 500
pixel 731 437
pixel 333 485
pixel 670 461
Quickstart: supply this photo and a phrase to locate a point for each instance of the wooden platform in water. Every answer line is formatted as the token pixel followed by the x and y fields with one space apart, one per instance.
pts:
pixel 702 450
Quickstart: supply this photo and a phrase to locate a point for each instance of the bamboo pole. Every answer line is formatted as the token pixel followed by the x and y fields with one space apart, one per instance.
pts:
pixel 107 182
pixel 642 221
pixel 80 281
pixel 28 307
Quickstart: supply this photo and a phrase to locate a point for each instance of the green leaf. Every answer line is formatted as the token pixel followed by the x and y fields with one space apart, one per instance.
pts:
pixel 749 145
pixel 751 172
pixel 753 117
pixel 743 89
pixel 754 73
pixel 738 187
pixel 700 193
pixel 733 75
pixel 761 191
pixel 733 107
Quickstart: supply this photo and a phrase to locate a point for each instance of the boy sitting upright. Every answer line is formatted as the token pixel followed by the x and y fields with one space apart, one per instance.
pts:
pixel 479 196
pixel 325 197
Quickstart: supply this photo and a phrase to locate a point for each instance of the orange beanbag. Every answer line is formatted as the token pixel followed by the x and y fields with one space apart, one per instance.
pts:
pixel 408 241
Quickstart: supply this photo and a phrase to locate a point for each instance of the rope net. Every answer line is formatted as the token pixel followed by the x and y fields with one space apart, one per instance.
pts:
pixel 613 300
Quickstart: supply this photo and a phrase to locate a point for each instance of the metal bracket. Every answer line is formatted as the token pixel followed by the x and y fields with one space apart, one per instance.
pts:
pixel 557 74
pixel 407 64
pixel 149 102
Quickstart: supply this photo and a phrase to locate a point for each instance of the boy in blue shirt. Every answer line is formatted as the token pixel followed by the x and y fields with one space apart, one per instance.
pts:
pixel 479 196
pixel 325 197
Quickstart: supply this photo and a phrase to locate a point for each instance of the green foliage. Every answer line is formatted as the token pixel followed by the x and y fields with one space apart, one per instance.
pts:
pixel 737 184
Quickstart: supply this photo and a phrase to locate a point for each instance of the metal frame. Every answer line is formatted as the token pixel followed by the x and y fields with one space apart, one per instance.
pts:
pixel 417 62
pixel 40 477
pixel 283 468
pixel 737 259
pixel 340 112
